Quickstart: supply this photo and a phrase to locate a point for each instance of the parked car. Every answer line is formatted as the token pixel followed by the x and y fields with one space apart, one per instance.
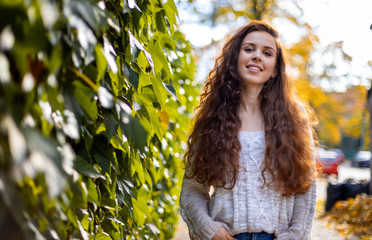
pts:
pixel 328 161
pixel 340 155
pixel 362 158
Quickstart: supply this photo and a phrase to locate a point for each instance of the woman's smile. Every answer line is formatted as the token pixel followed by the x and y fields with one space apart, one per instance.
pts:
pixel 254 68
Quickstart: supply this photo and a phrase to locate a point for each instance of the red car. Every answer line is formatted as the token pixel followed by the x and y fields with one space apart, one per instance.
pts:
pixel 340 155
pixel 329 162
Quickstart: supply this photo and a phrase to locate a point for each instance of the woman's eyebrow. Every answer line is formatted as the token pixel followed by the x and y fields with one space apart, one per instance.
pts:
pixel 252 44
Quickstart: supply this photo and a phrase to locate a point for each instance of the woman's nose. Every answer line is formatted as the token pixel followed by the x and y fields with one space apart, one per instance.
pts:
pixel 257 55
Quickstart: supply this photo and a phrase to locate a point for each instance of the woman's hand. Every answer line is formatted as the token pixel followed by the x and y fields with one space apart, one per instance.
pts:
pixel 222 234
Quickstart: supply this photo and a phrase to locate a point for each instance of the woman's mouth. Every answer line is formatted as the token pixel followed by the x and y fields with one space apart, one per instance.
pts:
pixel 254 69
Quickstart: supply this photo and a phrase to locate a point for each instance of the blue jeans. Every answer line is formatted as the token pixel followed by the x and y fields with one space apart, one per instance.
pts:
pixel 254 236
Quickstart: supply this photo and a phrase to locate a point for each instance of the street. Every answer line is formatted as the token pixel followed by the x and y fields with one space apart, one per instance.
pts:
pixel 347 171
pixel 320 230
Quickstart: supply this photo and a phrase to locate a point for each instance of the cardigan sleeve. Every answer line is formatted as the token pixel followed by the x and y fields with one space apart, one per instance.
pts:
pixel 303 210
pixel 302 218
pixel 194 210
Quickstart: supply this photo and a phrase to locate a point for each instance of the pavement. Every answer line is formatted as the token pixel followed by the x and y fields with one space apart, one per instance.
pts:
pixel 320 230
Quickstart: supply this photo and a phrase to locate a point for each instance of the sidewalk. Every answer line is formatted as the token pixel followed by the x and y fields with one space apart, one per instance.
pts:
pixel 320 231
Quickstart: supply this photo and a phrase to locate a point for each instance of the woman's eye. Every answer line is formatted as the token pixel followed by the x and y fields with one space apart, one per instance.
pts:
pixel 268 54
pixel 248 49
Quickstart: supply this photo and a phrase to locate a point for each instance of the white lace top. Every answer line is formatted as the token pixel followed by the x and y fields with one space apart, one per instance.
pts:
pixel 247 207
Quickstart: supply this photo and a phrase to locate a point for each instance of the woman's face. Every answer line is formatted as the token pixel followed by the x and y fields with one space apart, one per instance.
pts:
pixel 257 59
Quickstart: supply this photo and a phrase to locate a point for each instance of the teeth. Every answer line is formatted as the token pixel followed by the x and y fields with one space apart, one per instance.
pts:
pixel 255 68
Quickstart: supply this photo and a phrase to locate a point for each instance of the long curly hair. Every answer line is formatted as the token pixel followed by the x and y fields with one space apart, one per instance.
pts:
pixel 213 150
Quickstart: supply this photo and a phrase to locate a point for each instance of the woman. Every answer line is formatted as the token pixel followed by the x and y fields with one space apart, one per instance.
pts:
pixel 250 164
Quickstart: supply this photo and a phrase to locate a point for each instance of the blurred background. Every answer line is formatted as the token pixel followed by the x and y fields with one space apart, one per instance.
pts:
pixel 330 60
pixel 330 55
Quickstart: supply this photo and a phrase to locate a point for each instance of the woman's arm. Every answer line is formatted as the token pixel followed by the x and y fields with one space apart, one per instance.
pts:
pixel 194 210
pixel 302 218
pixel 303 210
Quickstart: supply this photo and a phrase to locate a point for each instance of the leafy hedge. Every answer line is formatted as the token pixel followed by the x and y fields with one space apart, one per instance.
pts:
pixel 95 102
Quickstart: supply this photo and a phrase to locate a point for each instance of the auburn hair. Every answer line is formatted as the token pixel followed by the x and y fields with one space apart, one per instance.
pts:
pixel 213 150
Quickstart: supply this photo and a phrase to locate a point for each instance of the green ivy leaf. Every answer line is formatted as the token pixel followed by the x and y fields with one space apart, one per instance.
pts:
pixel 116 85
pixel 170 88
pixel 85 96
pixel 145 122
pixel 131 127
pixel 136 132
pixel 110 124
pixel 167 41
pixel 79 198
pixel 86 169
pixel 140 206
pixel 148 95
pixel 104 153
pixel 160 21
pixel 101 62
pixel 125 186
pixel 137 167
pixel 100 128
pixel 93 192
pixel 136 47
pixel 160 61
pixel 111 227
pixel 130 74
pixel 148 180
pixel 155 123
pixel 160 90
pixel 83 233
pixel 169 12
pixel 115 142
pixel 172 5
pixel 144 81
pixel 102 236
pixel 88 139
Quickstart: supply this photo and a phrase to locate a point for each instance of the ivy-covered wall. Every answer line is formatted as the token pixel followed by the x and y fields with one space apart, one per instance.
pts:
pixel 96 98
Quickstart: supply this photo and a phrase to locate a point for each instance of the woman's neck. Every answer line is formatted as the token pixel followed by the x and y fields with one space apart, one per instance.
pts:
pixel 250 113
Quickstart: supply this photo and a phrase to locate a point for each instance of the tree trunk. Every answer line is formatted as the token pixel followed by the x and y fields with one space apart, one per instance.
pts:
pixel 369 102
pixel 259 8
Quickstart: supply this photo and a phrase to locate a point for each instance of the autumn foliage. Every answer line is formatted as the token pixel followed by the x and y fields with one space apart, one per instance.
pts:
pixel 352 217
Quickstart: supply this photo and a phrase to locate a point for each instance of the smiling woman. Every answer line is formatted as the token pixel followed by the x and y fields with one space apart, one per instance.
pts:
pixel 252 143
